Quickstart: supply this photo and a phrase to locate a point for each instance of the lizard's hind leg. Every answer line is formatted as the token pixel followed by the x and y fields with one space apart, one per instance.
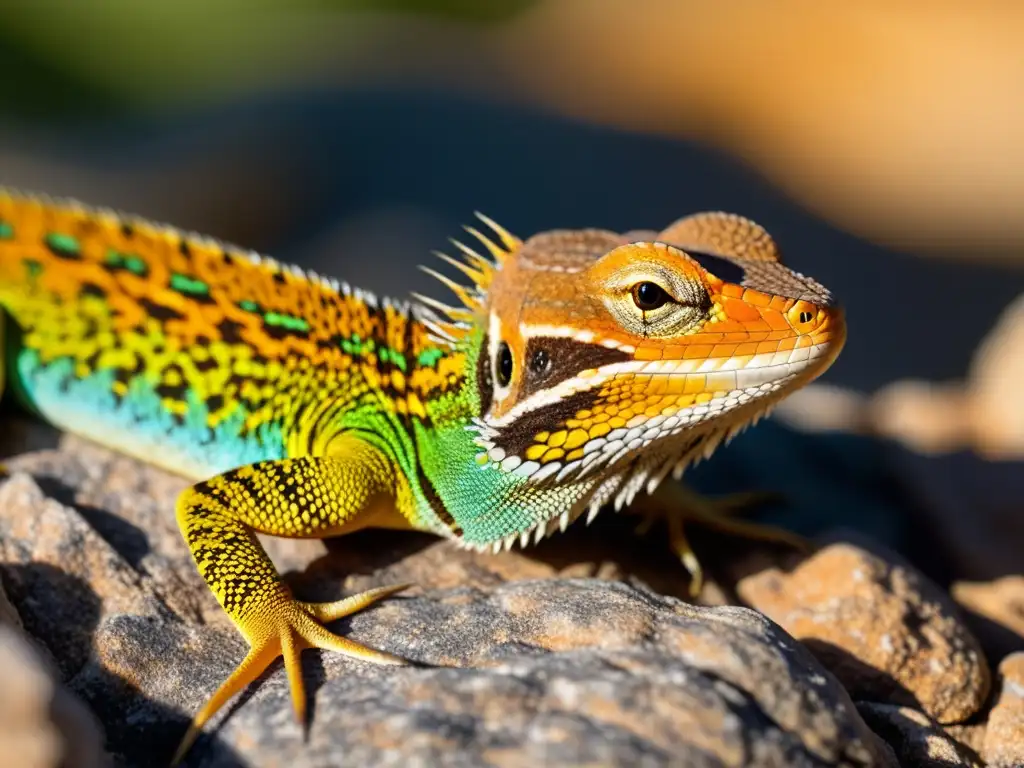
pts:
pixel 305 497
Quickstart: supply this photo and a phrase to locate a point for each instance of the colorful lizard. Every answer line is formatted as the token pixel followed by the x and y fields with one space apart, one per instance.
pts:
pixel 580 368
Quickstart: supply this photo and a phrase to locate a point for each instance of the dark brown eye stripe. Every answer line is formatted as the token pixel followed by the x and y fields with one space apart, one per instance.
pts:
pixel 518 436
pixel 564 358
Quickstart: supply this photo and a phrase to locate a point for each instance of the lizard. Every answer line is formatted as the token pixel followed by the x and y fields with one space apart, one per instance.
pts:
pixel 578 369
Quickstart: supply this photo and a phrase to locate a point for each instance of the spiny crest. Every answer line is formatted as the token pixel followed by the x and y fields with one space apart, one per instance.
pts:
pixel 187 238
pixel 448 323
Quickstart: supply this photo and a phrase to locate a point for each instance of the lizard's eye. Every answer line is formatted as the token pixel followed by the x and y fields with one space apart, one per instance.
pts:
pixel 649 296
pixel 504 364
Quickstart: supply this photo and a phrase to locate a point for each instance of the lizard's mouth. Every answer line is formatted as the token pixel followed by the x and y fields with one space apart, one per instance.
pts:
pixel 637 453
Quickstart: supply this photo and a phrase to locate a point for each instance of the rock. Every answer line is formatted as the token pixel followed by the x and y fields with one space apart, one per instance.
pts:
pixel 41 725
pixel 1004 737
pixel 61 574
pixel 927 417
pixel 997 609
pixel 568 672
pixel 883 629
pixel 970 736
pixel 916 739
pixel 996 408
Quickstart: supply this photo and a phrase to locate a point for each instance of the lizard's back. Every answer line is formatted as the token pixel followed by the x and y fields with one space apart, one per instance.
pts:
pixel 181 350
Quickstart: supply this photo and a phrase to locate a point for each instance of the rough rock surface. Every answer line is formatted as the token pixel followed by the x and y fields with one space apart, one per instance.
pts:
pixel 883 629
pixel 578 672
pixel 513 667
pixel 916 740
pixel 1004 737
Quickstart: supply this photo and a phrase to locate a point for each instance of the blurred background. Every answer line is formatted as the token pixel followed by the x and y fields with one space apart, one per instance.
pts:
pixel 882 144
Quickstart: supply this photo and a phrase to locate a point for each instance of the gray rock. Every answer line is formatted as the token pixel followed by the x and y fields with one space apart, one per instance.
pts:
pixel 576 672
pixel 514 667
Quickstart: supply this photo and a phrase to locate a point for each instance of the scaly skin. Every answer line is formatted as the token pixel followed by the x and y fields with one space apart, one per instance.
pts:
pixel 580 368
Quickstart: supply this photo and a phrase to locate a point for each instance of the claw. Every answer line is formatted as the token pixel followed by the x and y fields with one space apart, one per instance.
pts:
pixel 677 503
pixel 295 627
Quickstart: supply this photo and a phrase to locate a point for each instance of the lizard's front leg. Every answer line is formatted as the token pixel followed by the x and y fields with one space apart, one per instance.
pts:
pixel 307 497
pixel 676 504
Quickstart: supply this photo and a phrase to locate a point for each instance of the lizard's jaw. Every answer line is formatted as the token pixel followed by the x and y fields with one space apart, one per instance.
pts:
pixel 609 416
pixel 633 454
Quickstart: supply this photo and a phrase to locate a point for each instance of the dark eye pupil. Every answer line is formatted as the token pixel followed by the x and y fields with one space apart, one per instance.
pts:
pixel 504 364
pixel 648 296
pixel 806 317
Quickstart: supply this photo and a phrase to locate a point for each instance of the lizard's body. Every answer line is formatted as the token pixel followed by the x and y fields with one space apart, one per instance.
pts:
pixel 307 409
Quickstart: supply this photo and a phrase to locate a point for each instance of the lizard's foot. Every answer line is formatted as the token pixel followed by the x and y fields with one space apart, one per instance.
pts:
pixel 286 630
pixel 675 503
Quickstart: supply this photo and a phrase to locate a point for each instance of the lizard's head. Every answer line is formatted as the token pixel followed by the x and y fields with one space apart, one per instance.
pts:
pixel 623 357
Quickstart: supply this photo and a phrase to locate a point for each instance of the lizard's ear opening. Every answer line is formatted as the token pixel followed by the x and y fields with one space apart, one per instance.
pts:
pixel 722 234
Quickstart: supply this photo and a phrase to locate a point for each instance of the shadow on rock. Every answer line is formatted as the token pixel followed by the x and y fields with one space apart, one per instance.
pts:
pixel 862 680
pixel 142 683
pixel 59 610
pixel 127 539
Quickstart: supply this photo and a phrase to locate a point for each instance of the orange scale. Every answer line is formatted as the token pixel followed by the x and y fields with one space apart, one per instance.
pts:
pixel 732 290
pixel 777 322
pixel 723 351
pixel 780 303
pixel 710 337
pixel 768 347
pixel 788 343
pixel 740 311
pixel 780 335
pixel 745 349
pixel 698 351
pixel 758 299
pixel 647 353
